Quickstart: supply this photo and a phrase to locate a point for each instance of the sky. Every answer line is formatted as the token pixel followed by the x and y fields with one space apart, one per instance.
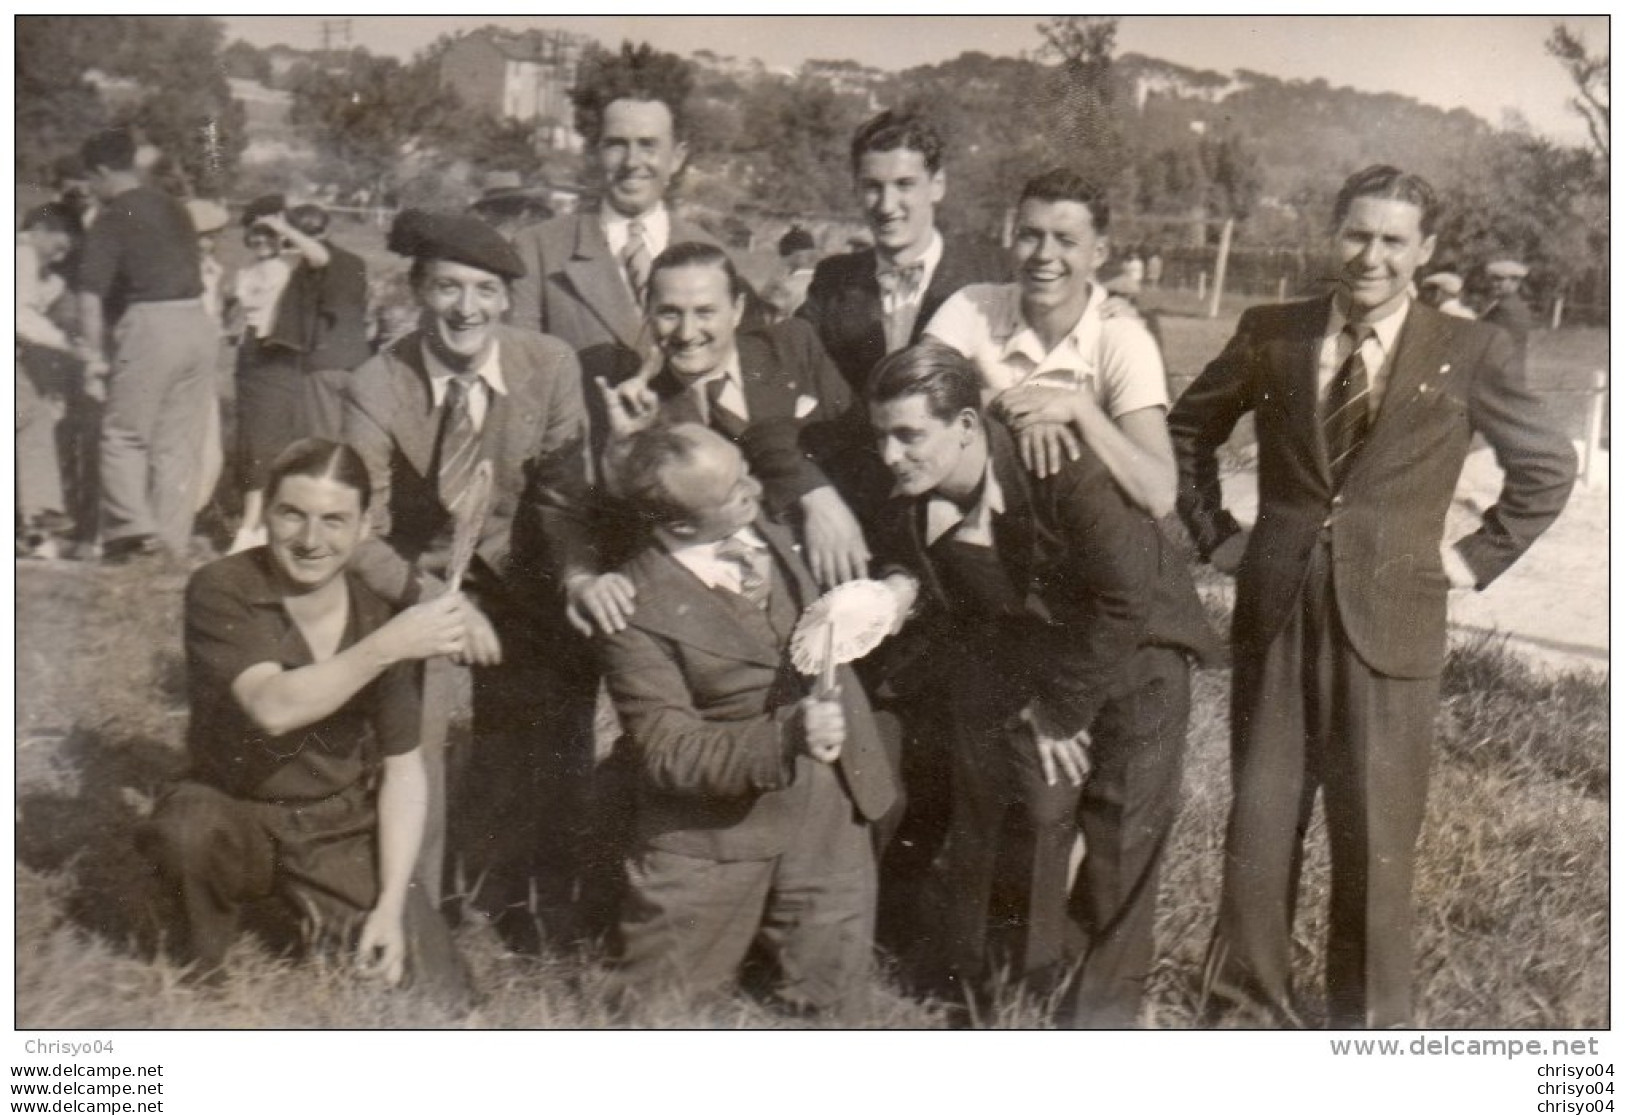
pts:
pixel 1486 64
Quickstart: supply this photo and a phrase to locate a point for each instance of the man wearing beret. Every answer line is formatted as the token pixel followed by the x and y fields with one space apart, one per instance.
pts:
pixel 461 389
pixel 1509 310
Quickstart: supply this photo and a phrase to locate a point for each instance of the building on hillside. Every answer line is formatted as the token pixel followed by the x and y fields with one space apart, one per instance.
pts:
pixel 519 75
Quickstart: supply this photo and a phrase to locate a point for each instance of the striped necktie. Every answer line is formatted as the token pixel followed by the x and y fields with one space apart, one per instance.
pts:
pixel 459 443
pixel 753 568
pixel 635 258
pixel 1348 405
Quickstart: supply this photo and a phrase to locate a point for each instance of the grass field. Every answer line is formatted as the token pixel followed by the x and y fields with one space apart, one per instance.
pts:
pixel 1512 894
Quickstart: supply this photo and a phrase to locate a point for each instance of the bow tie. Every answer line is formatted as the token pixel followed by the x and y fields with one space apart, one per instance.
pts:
pixel 902 282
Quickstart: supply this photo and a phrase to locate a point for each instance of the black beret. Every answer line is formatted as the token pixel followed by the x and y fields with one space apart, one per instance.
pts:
pixel 263 206
pixel 797 239
pixel 457 237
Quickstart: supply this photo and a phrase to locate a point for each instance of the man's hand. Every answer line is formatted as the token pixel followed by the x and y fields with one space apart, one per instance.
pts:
pixel 482 648
pixel 601 603
pixel 1046 447
pixel 1058 753
pixel 836 550
pixel 1226 556
pixel 823 726
pixel 632 407
pixel 1456 569
pixel 96 371
pixel 907 591
pixel 427 630
pixel 1024 406
pixel 381 951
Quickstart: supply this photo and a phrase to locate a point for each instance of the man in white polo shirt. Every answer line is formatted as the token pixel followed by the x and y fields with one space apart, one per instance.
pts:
pixel 1052 364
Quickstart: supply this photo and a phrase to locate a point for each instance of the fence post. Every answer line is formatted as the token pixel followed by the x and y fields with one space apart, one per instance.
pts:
pixel 1280 289
pixel 1201 286
pixel 1593 442
pixel 1218 268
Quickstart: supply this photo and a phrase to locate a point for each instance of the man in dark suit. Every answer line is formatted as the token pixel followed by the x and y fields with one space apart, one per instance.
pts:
pixel 1364 405
pixel 772 391
pixel 1509 310
pixel 422 413
pixel 867 303
pixel 1056 625
pixel 753 792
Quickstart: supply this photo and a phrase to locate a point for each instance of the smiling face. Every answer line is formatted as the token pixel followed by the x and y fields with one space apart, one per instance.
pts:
pixel 899 195
pixel 694 317
pixel 1380 246
pixel 638 155
pixel 716 489
pixel 1056 253
pixel 313 525
pixel 925 453
pixel 466 305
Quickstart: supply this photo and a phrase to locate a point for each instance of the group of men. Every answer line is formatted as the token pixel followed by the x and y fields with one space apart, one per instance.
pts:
pixel 673 482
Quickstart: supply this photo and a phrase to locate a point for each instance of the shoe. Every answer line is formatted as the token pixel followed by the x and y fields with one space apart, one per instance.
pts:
pixel 123 551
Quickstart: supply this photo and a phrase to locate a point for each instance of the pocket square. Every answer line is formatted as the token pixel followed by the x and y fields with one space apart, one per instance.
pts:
pixel 805 405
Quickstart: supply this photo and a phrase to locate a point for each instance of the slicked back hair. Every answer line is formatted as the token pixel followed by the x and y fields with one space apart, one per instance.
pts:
pixel 693 253
pixel 898 131
pixel 938 372
pixel 1391 183
pixel 321 459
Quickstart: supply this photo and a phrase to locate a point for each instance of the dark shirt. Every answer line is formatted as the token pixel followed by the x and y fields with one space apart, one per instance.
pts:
pixel 235 619
pixel 142 247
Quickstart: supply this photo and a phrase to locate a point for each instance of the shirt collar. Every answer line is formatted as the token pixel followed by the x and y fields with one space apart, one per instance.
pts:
pixel 656 225
pixel 1023 341
pixel 488 369
pixel 932 257
pixel 975 524
pixel 700 558
pixel 1385 328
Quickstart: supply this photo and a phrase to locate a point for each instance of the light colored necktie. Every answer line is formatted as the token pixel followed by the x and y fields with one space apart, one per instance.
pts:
pixel 752 564
pixel 635 258
pixel 898 288
pixel 459 442
pixel 1348 405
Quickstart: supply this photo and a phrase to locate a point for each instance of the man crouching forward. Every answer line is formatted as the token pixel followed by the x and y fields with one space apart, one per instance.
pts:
pixel 753 795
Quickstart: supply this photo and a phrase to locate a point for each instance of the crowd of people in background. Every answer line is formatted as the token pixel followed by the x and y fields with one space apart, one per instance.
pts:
pixel 592 459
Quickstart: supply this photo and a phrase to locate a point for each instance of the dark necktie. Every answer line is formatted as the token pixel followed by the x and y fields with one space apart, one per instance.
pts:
pixel 459 443
pixel 1348 406
pixel 753 568
pixel 635 258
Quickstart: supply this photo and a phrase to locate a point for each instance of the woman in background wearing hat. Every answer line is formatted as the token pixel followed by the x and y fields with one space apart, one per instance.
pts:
pixel 270 384
pixel 462 388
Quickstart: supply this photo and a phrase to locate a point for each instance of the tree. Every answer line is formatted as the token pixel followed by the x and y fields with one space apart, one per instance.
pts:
pixel 794 142
pixel 1590 76
pixel 244 62
pixel 1079 101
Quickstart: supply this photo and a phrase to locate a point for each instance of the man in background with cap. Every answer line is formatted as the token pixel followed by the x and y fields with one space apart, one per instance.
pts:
pixel 461 389
pixel 1509 310
pixel 1442 291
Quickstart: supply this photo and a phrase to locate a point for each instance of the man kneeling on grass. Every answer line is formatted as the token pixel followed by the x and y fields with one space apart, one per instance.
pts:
pixel 753 793
pixel 300 680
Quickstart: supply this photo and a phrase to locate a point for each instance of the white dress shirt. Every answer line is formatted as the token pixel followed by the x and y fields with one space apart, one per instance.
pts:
pixel 700 559
pixel 488 371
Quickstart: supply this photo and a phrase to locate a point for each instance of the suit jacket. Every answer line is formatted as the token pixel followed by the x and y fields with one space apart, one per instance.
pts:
pixel 704 697
pixel 322 314
pixel 1097 578
pixel 534 435
pixel 1448 378
pixel 574 288
pixel 800 411
pixel 843 302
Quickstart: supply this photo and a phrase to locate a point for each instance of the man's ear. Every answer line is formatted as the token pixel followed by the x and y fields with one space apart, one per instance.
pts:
pixel 1426 252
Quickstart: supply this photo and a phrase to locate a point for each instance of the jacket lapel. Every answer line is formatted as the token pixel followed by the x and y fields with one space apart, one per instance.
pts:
pixel 1013 531
pixel 596 276
pixel 415 434
pixel 675 604
pixel 1299 384
pixel 1420 353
